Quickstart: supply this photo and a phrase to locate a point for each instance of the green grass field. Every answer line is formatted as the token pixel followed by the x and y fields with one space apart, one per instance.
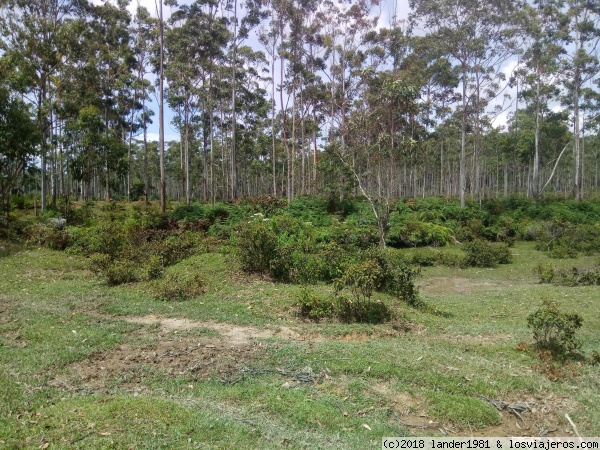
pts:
pixel 85 365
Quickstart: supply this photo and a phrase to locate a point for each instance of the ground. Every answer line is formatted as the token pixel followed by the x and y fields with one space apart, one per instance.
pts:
pixel 84 365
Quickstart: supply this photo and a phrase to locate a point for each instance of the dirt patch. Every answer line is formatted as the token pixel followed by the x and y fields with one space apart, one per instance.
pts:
pixel 546 418
pixel 233 334
pixel 128 366
pixel 404 403
pixel 455 285
pixel 172 353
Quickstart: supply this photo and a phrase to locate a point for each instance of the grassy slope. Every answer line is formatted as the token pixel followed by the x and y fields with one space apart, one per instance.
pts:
pixel 54 312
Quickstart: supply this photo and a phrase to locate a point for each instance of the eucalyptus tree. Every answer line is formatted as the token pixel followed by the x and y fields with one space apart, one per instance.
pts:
pixel 35 39
pixel 538 71
pixel 19 139
pixel 254 14
pixel 144 34
pixel 580 65
pixel 110 65
pixel 477 39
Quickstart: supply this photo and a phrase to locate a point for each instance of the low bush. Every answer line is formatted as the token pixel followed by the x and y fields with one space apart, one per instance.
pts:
pixel 431 257
pixel 486 254
pixel 549 273
pixel 178 287
pixel 362 311
pixel 315 306
pixel 256 246
pixel 418 234
pixel 555 330
pixel 382 271
pixel 46 235
pixel 122 271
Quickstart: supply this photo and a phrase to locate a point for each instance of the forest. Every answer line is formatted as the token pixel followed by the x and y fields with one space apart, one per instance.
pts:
pixel 288 98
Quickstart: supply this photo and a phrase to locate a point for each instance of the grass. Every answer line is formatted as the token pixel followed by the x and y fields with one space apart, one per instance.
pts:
pixel 58 322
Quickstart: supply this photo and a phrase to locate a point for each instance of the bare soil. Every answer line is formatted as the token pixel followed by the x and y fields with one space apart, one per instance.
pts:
pixel 545 418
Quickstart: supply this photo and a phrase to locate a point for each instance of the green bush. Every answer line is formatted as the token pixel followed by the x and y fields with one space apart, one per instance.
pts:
pixel 418 234
pixel 314 306
pixel 256 246
pixel 44 235
pixel 154 268
pixel 555 330
pixel 548 273
pixel 361 311
pixel 486 254
pixel 122 271
pixel 545 272
pixel 382 271
pixel 107 237
pixel 178 287
pixel 361 278
pixel 562 251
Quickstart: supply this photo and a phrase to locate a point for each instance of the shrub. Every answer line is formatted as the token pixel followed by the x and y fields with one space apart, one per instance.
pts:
pixel 562 251
pixel 350 311
pixel 178 287
pixel 425 257
pixel 418 234
pixel 120 272
pixel 268 205
pixel 46 236
pixel 108 237
pixel 314 306
pixel 486 254
pixel 387 272
pixel 154 268
pixel 256 247
pixel 361 278
pixel 548 273
pixel 554 330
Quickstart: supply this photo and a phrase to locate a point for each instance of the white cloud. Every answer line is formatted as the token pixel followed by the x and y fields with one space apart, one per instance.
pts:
pixel 153 137
pixel 500 121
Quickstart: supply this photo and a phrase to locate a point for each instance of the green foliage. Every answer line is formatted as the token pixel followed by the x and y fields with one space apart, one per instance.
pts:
pixel 314 210
pixel 154 268
pixel 486 254
pixel 120 271
pixel 178 287
pixel 561 251
pixel 555 330
pixel 417 233
pixel 315 306
pixel 107 237
pixel 546 272
pixel 433 257
pixel 549 273
pixel 201 214
pixel 361 311
pixel 361 278
pixel 380 270
pixel 256 246
pixel 267 205
pixel 565 240
pixel 41 234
